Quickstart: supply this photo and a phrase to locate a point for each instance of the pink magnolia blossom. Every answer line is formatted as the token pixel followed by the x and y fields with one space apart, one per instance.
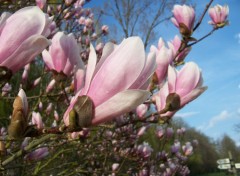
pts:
pixel 23 97
pixel 219 15
pixel 63 54
pixel 41 3
pixel 37 120
pixel 105 29
pixel 187 149
pixel 164 57
pixel 174 45
pixel 115 83
pixel 19 47
pixel 141 110
pixel 37 154
pixel 183 15
pixel 51 86
pixel 187 83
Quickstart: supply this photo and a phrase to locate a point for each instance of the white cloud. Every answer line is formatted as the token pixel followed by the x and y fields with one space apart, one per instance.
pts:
pixel 218 118
pixel 186 114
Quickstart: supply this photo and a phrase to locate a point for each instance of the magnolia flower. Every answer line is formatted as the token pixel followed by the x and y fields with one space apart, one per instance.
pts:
pixel 37 120
pixel 183 19
pixel 164 57
pixel 186 83
pixel 19 47
pixel 105 29
pixel 141 110
pixel 19 119
pixel 63 54
pixel 41 3
pixel 187 149
pixel 114 84
pixel 175 45
pixel 219 15
pixel 37 154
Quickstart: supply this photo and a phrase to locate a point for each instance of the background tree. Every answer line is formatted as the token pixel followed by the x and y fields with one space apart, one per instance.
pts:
pixel 142 18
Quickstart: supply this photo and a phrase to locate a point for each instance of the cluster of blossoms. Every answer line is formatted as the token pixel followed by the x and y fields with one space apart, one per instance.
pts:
pixel 115 84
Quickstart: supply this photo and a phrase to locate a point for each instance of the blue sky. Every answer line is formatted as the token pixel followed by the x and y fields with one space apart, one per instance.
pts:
pixel 218 109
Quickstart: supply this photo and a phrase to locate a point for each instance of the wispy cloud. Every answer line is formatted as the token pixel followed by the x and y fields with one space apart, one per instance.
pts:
pixel 186 114
pixel 218 118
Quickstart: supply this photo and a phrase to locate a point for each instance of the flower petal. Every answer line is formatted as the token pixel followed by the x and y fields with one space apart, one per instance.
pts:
pixel 188 78
pixel 119 71
pixel 29 21
pixel 92 60
pixel 26 52
pixel 119 104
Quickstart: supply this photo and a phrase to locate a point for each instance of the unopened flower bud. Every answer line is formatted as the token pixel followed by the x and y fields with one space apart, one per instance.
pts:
pixel 115 166
pixel 37 120
pixel 49 108
pixel 141 110
pixel 169 133
pixel 105 29
pixel 36 82
pixel 19 123
pixel 50 86
pixel 37 154
pixel 187 149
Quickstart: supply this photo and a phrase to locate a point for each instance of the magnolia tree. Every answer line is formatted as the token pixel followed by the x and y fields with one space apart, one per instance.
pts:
pixel 70 106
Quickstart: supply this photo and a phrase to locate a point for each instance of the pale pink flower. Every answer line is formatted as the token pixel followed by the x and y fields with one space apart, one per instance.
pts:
pixel 63 54
pixel 6 89
pixel 51 86
pixel 41 3
pixel 105 29
pixel 164 57
pixel 19 47
pixel 81 20
pixel 37 120
pixel 187 83
pixel 88 22
pixel 187 149
pixel 25 73
pixel 37 154
pixel 36 82
pixel 174 45
pixel 115 83
pixel 23 97
pixel 115 166
pixel 141 110
pixel 99 47
pixel 185 15
pixel 219 15
pixel 49 108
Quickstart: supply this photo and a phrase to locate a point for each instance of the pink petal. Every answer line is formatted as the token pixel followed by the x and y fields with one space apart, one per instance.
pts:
pixel 59 51
pixel 92 60
pixel 188 78
pixel 79 79
pixel 19 27
pixel 172 79
pixel 119 104
pixel 192 95
pixel 119 71
pixel 147 72
pixel 23 97
pixel 47 59
pixel 26 52
pixel 107 50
